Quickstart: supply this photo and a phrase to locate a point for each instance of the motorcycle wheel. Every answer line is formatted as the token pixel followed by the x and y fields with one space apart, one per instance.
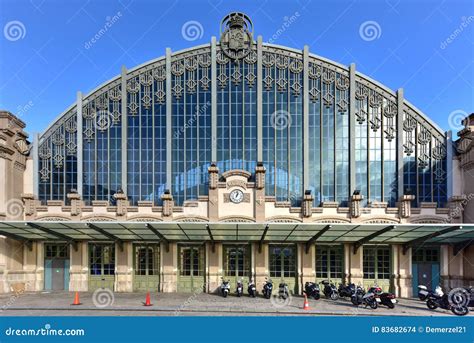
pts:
pixel 373 305
pixel 391 305
pixel 431 304
pixel 460 311
pixel 225 294
pixel 316 297
pixel 334 296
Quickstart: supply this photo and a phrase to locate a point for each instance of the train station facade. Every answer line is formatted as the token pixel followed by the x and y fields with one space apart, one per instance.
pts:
pixel 236 159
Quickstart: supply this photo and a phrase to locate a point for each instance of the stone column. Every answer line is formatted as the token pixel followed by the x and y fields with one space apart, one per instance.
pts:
pixel 168 204
pixel 347 262
pixel 39 277
pixel 308 261
pixel 213 203
pixel 395 276
pixel 79 268
pixel 76 204
pixel 307 204
pixel 356 265
pixel 261 266
pixel 214 267
pixel 122 203
pixel 169 265
pixel 356 199
pixel 405 205
pixel 260 192
pixel 405 281
pixel 124 268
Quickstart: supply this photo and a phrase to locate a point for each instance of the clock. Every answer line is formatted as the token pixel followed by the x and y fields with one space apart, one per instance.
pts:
pixel 236 196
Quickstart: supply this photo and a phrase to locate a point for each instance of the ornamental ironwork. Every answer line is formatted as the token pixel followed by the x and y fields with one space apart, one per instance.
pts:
pixel 236 35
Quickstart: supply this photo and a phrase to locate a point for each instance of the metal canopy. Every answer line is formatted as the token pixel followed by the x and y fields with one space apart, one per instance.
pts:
pixel 307 233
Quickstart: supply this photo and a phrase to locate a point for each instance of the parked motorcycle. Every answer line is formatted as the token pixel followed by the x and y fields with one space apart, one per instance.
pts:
pixel 439 299
pixel 251 289
pixel 423 292
pixel 225 287
pixel 384 298
pixel 283 291
pixel 330 290
pixel 239 288
pixel 345 291
pixel 267 288
pixel 359 297
pixel 312 290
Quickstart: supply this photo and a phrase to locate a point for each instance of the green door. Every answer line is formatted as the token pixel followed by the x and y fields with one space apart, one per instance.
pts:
pixel 101 266
pixel 147 267
pixel 329 263
pixel 191 277
pixel 237 264
pixel 377 267
pixel 283 267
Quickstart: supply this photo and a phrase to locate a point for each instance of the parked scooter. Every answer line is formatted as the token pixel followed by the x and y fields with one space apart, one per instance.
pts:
pixel 267 288
pixel 283 291
pixel 330 290
pixel 312 290
pixel 359 297
pixel 225 287
pixel 239 288
pixel 439 299
pixel 384 298
pixel 251 289
pixel 345 291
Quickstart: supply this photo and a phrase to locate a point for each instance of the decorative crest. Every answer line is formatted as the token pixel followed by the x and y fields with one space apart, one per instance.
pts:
pixel 236 35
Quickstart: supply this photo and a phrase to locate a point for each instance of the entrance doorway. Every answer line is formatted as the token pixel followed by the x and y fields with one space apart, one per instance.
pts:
pixel 425 268
pixel 101 266
pixel 56 267
pixel 191 277
pixel 147 267
pixel 237 263
pixel 283 266
pixel 329 263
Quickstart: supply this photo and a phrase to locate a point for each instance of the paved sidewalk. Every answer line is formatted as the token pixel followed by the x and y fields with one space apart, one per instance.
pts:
pixel 106 303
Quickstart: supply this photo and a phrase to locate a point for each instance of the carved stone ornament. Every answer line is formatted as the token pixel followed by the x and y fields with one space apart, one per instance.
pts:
pixel 22 146
pixel 236 35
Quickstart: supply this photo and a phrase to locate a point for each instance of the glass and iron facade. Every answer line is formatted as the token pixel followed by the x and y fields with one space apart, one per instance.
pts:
pixel 314 124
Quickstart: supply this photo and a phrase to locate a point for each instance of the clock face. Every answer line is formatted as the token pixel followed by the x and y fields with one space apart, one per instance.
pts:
pixel 236 196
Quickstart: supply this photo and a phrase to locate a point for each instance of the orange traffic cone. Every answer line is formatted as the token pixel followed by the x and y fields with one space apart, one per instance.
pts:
pixel 147 300
pixel 306 303
pixel 76 299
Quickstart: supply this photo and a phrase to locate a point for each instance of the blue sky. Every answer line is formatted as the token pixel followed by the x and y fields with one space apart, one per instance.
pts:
pixel 425 47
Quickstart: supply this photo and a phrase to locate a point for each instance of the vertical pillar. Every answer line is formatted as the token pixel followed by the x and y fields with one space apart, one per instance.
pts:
pixel 124 128
pixel 449 163
pixel 444 266
pixel 305 118
pixel 352 115
pixel 214 267
pixel 356 265
pixel 400 131
pixel 261 264
pixel 394 284
pixel 36 165
pixel 39 277
pixel 213 100
pixel 347 263
pixel 259 101
pixel 80 145
pixel 124 263
pixel 169 122
pixel 405 273
pixel 169 262
pixel 79 268
pixel 308 264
